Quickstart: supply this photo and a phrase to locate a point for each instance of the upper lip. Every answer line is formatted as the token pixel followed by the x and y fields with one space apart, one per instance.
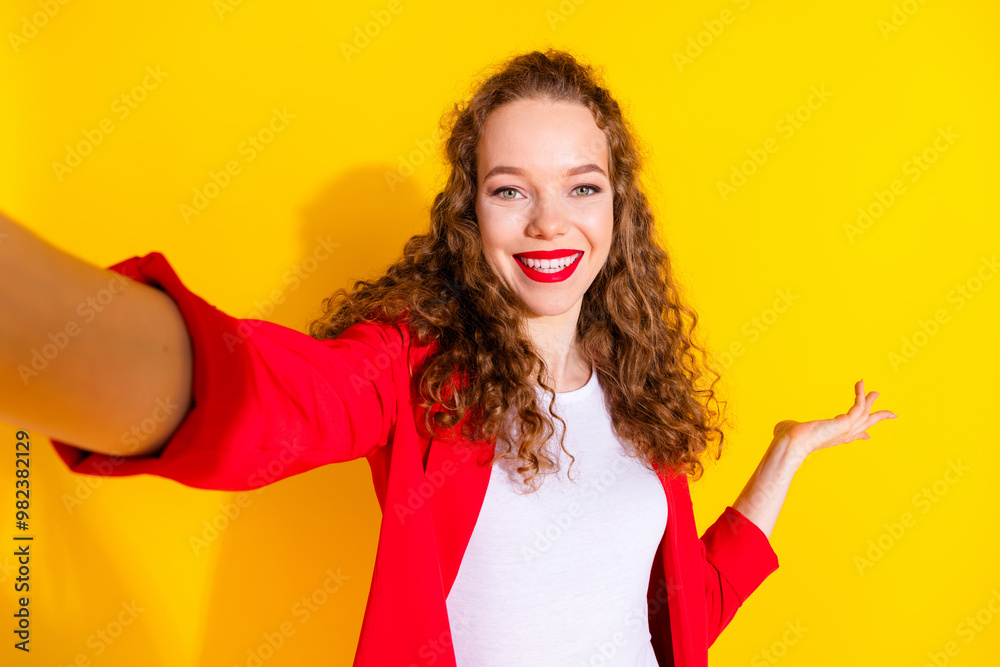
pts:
pixel 546 254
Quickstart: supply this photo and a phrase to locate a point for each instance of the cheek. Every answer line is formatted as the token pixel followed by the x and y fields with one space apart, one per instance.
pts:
pixel 493 252
pixel 599 227
pixel 488 239
pixel 491 232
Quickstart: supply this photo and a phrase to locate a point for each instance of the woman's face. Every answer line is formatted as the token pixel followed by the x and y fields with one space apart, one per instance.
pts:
pixel 543 185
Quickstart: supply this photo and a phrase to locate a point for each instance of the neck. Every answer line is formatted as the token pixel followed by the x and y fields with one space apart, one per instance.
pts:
pixel 556 340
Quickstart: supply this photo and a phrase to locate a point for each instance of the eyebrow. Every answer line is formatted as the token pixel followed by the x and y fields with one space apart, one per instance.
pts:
pixel 515 171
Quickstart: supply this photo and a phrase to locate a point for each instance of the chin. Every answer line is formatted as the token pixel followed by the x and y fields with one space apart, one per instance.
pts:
pixel 548 308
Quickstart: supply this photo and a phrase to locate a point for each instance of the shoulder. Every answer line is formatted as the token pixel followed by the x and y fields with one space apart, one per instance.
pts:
pixel 391 341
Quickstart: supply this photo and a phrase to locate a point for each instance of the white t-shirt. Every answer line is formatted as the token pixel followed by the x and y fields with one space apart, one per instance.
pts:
pixel 559 576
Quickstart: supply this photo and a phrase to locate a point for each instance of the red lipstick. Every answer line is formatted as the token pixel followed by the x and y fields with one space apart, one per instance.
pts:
pixel 548 277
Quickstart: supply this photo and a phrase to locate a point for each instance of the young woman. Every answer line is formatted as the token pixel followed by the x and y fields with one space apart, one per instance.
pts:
pixel 507 538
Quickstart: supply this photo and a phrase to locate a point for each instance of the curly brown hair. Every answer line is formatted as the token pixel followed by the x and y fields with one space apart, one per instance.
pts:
pixel 633 326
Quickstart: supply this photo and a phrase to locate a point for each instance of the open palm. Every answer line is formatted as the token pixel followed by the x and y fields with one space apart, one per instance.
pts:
pixel 811 436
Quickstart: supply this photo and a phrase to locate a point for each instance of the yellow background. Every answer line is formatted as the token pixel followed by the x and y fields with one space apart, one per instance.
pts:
pixel 363 115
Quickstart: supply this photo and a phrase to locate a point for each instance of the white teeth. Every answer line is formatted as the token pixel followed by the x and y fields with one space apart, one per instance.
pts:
pixel 550 265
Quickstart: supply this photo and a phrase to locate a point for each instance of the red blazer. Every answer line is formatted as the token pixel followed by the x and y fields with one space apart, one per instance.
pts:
pixel 270 402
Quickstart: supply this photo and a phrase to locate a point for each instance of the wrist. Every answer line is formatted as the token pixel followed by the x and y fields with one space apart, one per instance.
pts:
pixel 787 454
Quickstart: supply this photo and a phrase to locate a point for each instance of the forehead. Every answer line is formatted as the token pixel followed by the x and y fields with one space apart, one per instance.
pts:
pixel 541 135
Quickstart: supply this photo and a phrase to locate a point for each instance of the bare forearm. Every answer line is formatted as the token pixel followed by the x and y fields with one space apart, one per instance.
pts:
pixel 86 353
pixel 765 492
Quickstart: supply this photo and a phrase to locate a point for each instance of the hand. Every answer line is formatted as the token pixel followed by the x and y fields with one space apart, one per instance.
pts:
pixel 807 437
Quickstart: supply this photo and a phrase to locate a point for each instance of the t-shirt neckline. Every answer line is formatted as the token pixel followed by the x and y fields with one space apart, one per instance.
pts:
pixel 576 395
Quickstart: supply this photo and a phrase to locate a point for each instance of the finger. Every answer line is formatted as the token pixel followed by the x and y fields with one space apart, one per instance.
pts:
pixel 872 395
pixel 862 406
pixel 869 402
pixel 858 408
pixel 857 434
pixel 876 417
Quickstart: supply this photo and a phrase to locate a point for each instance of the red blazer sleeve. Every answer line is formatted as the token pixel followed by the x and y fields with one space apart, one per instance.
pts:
pixel 737 557
pixel 268 401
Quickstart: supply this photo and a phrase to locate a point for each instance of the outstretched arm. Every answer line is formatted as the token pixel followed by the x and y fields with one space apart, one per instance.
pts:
pixel 268 401
pixel 762 497
pixel 86 353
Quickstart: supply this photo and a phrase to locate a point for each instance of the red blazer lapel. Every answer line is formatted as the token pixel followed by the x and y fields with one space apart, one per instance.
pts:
pixel 681 625
pixel 454 483
pixel 457 487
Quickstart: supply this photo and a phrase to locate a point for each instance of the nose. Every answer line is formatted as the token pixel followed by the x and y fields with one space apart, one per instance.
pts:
pixel 547 219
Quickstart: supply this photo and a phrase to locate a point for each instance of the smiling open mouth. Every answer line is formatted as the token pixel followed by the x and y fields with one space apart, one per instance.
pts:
pixel 549 270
